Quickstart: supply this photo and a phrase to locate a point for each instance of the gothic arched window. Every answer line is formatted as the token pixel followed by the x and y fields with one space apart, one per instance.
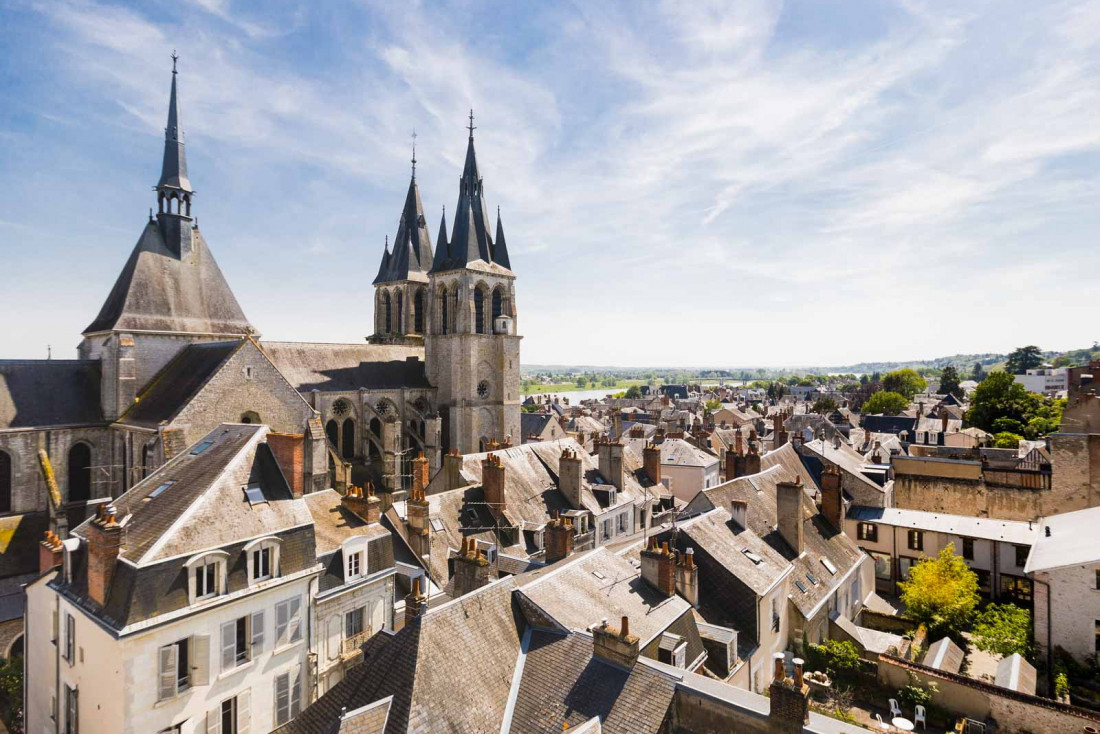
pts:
pixel 444 312
pixel 386 306
pixel 5 482
pixel 418 311
pixel 479 310
pixel 348 447
pixel 454 307
pixel 399 326
pixel 80 473
pixel 498 303
pixel 332 430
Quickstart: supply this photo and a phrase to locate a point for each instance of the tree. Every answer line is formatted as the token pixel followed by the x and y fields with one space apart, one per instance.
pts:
pixel 582 381
pixel 887 403
pixel 824 406
pixel 1004 629
pixel 1024 359
pixel 634 392
pixel 713 405
pixel 978 373
pixel 1006 440
pixel 949 382
pixel 941 592
pixel 1000 396
pixel 904 382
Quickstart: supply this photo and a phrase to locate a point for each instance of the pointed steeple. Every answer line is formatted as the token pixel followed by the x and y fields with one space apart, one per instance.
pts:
pixel 500 249
pixel 442 249
pixel 384 266
pixel 173 171
pixel 412 248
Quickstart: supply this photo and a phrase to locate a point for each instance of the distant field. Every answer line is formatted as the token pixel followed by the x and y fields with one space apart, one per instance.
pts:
pixel 572 387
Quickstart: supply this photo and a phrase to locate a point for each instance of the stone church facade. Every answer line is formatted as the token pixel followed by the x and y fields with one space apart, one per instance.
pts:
pixel 171 355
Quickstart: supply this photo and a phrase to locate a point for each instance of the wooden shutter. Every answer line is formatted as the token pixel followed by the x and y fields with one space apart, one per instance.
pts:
pixel 54 628
pixel 200 660
pixel 295 619
pixel 167 675
pixel 214 720
pixel 229 646
pixel 334 625
pixel 244 711
pixel 282 698
pixel 296 692
pixel 282 615
pixel 257 633
pixel 70 639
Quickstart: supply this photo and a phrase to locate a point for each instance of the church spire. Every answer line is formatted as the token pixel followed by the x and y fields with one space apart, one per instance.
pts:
pixel 412 247
pixel 173 172
pixel 500 249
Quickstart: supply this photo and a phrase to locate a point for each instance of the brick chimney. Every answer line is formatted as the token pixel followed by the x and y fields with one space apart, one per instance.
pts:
pixel 289 452
pixel 832 498
pixel 687 577
pixel 471 568
pixel 615 646
pixel 492 484
pixel 569 477
pixel 739 512
pixel 558 538
pixel 752 461
pixel 50 552
pixel 363 503
pixel 735 462
pixel 416 521
pixel 415 603
pixel 651 460
pixel 788 498
pixel 452 469
pixel 104 541
pixel 943 420
pixel 420 477
pixel 780 432
pixel 790 698
pixel 611 462
pixel 658 567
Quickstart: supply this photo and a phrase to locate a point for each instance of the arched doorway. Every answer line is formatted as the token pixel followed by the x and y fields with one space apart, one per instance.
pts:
pixel 80 473
pixel 348 444
pixel 376 431
pixel 332 430
pixel 5 482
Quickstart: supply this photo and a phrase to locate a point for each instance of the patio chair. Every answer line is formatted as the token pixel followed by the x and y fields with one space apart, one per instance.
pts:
pixel 918 717
pixel 895 710
pixel 882 724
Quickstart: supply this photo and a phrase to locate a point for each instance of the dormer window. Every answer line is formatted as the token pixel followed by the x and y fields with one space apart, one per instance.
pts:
pixel 206 576
pixel 355 559
pixel 263 559
pixel 355 564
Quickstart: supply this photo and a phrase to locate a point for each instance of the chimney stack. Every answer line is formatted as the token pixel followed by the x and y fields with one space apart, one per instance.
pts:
pixel 420 473
pixel 789 512
pixel 104 542
pixel 289 452
pixel 492 484
pixel 611 462
pixel 416 522
pixel 687 577
pixel 363 504
pixel 569 477
pixel 658 567
pixel 558 538
pixel 452 469
pixel 651 460
pixel 415 603
pixel 779 436
pixel 50 552
pixel 471 568
pixel 790 698
pixel 832 497
pixel 739 512
pixel 615 646
pixel 752 461
pixel 943 421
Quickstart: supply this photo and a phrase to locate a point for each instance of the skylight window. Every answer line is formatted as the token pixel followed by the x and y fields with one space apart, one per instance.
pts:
pixel 598 575
pixel 201 447
pixel 254 494
pixel 160 490
pixel 829 565
pixel 812 578
pixel 437 524
pixel 753 557
pixel 801 586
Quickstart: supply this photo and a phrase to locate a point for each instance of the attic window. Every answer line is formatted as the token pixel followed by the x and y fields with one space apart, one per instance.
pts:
pixel 812 578
pixel 471 514
pixel 437 524
pixel 829 565
pixel 753 557
pixel 160 490
pixel 598 575
pixel 801 586
pixel 254 494
pixel 201 447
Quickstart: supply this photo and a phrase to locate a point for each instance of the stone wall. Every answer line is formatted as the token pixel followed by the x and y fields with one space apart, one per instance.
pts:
pixel 1074 608
pixel 28 486
pixel 967 497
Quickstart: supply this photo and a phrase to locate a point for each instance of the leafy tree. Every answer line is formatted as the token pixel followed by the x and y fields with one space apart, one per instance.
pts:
pixel 824 405
pixel 949 382
pixel 839 657
pixel 904 382
pixel 864 379
pixel 1008 425
pixel 887 403
pixel 634 392
pixel 1000 396
pixel 582 381
pixel 11 694
pixel 941 592
pixel 1024 359
pixel 713 405
pixel 978 373
pixel 1006 440
pixel 1004 629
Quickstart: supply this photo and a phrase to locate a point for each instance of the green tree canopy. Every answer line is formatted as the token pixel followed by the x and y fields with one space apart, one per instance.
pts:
pixel 1004 629
pixel 1023 359
pixel 1000 396
pixel 824 405
pixel 978 373
pixel 941 592
pixel 1006 440
pixel 905 382
pixel 634 392
pixel 887 403
pixel 949 382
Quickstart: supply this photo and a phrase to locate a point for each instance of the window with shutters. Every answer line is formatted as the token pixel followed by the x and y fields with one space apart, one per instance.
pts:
pixel 353 623
pixel 231 716
pixel 70 639
pixel 257 631
pixel 182 666
pixel 235 643
pixel 72 711
pixel 288 695
pixel 288 622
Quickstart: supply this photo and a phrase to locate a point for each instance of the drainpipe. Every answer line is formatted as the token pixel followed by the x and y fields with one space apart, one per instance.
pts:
pixel 1050 638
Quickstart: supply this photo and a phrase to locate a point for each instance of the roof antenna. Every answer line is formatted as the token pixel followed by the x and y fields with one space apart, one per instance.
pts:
pixel 471 128
pixel 414 152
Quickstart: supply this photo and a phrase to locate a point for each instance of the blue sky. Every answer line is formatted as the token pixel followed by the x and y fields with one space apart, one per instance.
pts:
pixel 801 183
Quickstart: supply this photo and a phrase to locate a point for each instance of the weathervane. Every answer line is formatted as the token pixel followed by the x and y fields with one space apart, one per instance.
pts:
pixel 471 128
pixel 414 152
pixel 174 58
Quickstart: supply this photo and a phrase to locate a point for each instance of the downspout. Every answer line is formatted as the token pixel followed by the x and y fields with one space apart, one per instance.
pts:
pixel 56 666
pixel 1050 638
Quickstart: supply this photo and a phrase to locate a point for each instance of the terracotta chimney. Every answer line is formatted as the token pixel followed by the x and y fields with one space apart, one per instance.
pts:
pixel 415 603
pixel 832 497
pixel 651 460
pixel 420 472
pixel 289 452
pixel 50 552
pixel 739 512
pixel 790 699
pixel 752 461
pixel 569 477
pixel 788 498
pixel 558 538
pixel 615 646
pixel 417 522
pixel 780 434
pixel 687 577
pixel 471 568
pixel 104 542
pixel 492 484
pixel 611 462
pixel 452 469
pixel 658 567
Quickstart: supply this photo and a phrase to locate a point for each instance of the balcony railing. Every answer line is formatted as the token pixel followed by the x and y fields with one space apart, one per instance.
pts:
pixel 350 645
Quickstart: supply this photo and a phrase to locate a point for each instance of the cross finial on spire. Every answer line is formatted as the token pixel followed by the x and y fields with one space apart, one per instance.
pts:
pixel 471 127
pixel 175 57
pixel 414 153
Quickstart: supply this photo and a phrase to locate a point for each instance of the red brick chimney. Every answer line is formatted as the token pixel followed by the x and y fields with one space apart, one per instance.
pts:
pixel 752 461
pixel 651 461
pixel 659 567
pixel 415 603
pixel 569 477
pixel 615 646
pixel 362 503
pixel 104 542
pixel 558 538
pixel 420 472
pixel 780 434
pixel 832 497
pixel 50 552
pixel 790 698
pixel 943 420
pixel 788 498
pixel 492 484
pixel 289 452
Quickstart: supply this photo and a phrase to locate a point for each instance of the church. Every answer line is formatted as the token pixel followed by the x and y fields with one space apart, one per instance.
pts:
pixel 171 355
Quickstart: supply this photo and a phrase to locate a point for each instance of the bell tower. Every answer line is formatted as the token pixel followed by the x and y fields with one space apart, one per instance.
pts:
pixel 472 345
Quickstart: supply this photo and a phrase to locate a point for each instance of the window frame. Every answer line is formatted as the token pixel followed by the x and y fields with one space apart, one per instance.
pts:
pixel 867 531
pixel 1016 549
pixel 288 632
pixel 72 710
pixel 918 536
pixel 254 553
pixel 968 549
pixel 216 559
pixel 241 647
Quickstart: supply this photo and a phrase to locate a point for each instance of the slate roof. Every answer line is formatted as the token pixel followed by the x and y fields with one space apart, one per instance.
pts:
pixel 678 452
pixel 348 367
pixel 158 290
pixel 533 424
pixel 332 525
pixel 49 392
pixel 845 457
pixel 412 247
pixel 178 382
pixel 1007 531
pixel 722 539
pixel 563 683
pixel 1072 541
pixel 889 423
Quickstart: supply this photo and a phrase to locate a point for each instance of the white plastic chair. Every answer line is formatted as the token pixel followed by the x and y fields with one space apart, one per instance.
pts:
pixel 918 717
pixel 895 710
pixel 882 724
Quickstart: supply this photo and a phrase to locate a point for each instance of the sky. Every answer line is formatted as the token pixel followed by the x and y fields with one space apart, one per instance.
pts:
pixel 681 184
